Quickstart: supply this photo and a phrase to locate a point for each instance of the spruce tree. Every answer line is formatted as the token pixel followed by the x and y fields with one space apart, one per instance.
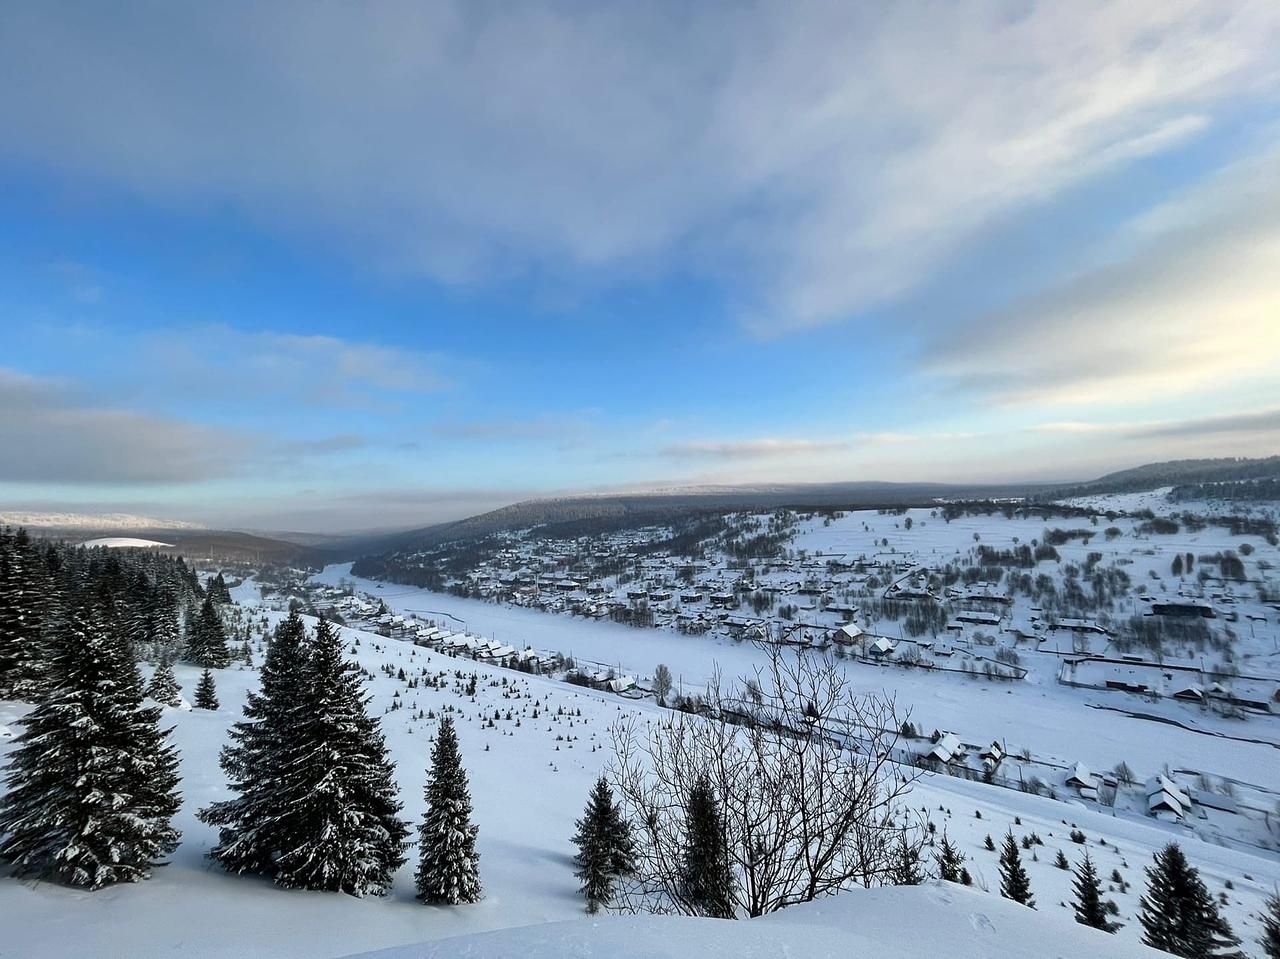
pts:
pixel 706 884
pixel 1178 914
pixel 1088 897
pixel 24 587
pixel 448 865
pixel 92 785
pixel 605 847
pixel 1270 940
pixel 218 591
pixel 1014 882
pixel 342 831
pixel 950 860
pixel 906 866
pixel 254 825
pixel 207 645
pixel 206 692
pixel 164 687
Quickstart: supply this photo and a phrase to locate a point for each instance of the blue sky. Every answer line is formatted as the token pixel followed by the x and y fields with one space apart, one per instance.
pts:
pixel 326 266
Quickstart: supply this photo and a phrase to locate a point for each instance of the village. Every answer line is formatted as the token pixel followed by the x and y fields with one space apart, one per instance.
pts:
pixel 918 604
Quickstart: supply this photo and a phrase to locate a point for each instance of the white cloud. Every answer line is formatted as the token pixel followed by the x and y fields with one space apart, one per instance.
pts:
pixel 836 153
pixel 1191 306
pixel 52 436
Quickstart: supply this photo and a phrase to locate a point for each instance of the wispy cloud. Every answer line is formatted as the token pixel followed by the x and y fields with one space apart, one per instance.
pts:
pixel 1192 305
pixel 322 370
pixel 1261 421
pixel 763 448
pixel 836 153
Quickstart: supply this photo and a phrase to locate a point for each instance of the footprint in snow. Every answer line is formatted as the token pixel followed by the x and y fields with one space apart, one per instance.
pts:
pixel 981 923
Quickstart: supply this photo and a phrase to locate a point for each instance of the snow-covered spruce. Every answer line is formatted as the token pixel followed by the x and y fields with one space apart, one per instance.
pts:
pixel 92 785
pixel 253 825
pixel 1179 915
pixel 164 687
pixel 449 866
pixel 1015 884
pixel 24 594
pixel 331 814
pixel 605 847
pixel 207 644
pixel 206 692
pixel 705 881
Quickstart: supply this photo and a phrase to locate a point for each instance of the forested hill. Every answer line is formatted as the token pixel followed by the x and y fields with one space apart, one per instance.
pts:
pixel 1172 473
pixel 579 515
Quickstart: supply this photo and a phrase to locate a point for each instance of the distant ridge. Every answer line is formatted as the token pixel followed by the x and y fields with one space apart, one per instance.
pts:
pixel 1171 473
pixel 572 515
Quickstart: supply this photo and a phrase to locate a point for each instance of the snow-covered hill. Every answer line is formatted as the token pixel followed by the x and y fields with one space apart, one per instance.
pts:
pixel 35 519
pixel 533 747
pixel 918 922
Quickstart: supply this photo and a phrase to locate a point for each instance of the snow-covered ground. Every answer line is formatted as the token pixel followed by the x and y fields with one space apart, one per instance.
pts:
pixel 530 776
pixel 122 542
pixel 906 923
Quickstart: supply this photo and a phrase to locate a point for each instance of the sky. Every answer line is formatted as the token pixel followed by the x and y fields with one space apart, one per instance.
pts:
pixel 335 266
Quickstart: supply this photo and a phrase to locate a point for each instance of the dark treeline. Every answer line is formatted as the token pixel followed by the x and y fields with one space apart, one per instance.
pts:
pixel 145 598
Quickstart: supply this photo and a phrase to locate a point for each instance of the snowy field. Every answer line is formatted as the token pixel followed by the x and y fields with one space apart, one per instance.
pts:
pixel 529 780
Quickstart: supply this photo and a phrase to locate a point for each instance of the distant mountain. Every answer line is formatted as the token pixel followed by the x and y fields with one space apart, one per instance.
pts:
pixel 1172 473
pixel 41 520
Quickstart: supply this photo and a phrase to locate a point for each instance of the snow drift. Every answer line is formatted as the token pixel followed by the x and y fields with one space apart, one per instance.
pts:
pixel 913 922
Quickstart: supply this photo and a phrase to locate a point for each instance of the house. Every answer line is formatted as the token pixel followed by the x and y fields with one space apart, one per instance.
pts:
pixel 1081 778
pixel 620 684
pixel 881 647
pixel 946 748
pixel 977 617
pixel 1184 610
pixel 1189 693
pixel 848 634
pixel 1166 799
pixel 1078 626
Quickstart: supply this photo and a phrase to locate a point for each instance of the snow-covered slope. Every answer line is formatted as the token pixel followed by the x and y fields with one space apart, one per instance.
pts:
pixel 918 922
pixel 122 542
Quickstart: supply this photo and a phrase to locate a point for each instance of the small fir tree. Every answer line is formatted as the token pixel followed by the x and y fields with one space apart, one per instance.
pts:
pixel 605 847
pixel 207 646
pixel 706 884
pixel 449 865
pixel 950 860
pixel 1178 914
pixel 206 692
pixel 1088 905
pixel 1014 882
pixel 164 687
pixel 907 870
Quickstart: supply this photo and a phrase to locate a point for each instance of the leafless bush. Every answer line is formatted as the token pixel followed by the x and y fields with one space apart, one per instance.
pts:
pixel 808 775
